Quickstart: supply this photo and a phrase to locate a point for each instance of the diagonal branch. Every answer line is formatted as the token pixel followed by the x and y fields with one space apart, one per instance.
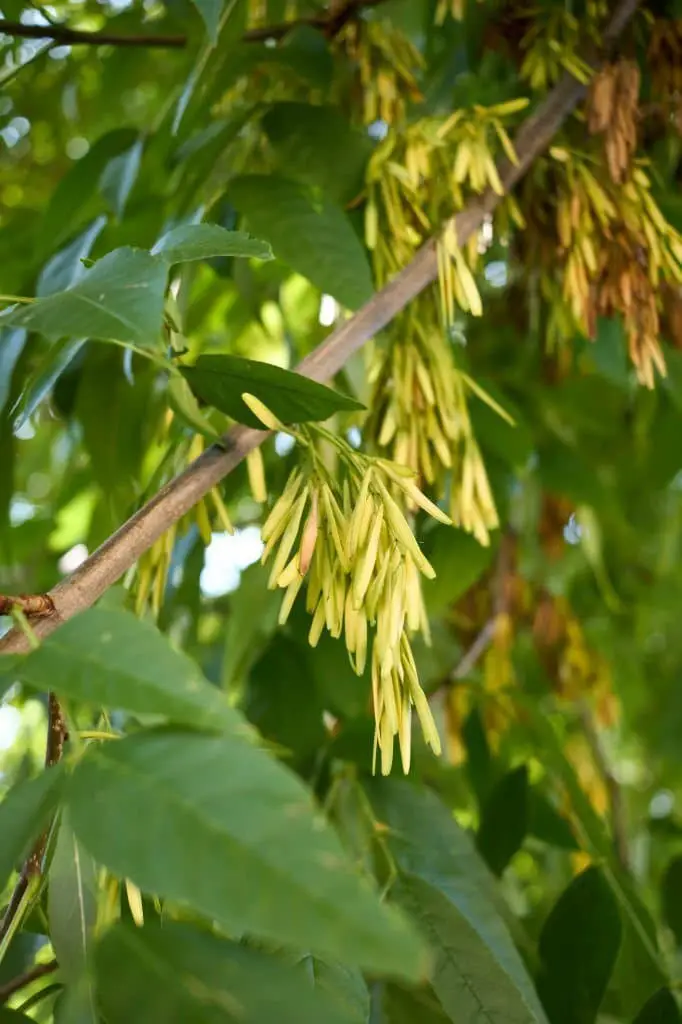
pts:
pixel 106 565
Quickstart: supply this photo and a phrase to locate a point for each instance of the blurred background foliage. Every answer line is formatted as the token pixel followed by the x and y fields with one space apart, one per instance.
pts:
pixel 562 740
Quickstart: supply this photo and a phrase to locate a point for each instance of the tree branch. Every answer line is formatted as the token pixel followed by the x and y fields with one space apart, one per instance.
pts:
pixel 22 980
pixel 77 37
pixel 117 554
pixel 329 22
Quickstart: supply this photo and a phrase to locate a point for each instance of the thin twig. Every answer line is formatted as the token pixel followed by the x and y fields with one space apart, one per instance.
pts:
pixel 66 36
pixel 617 810
pixel 54 747
pixel 117 554
pixel 22 980
pixel 329 22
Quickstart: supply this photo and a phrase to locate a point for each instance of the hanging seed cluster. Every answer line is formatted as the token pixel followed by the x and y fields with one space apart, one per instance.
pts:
pixel 346 539
pixel 150 575
pixel 387 65
pixel 553 42
pixel 612 112
pixel 416 180
pixel 419 412
pixel 615 247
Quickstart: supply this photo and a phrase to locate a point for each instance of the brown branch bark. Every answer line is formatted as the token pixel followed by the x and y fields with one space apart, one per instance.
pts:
pixel 22 980
pixel 106 565
pixel 66 36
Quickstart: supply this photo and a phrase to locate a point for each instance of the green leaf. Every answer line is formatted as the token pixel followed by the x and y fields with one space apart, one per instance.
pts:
pixel 311 235
pixel 340 983
pixel 578 948
pixel 71 902
pixel 468 978
pixel 545 822
pixel 410 1006
pixel 24 812
pixel 251 622
pixel 441 872
pixel 223 811
pixel 661 1008
pixel 11 346
pixel 504 820
pixel 76 1004
pixel 210 11
pixel 221 380
pixel 281 699
pixel 317 145
pixel 178 974
pixel 66 267
pixel 108 657
pixel 671 894
pixel 458 560
pixel 40 384
pixel 13 1017
pixel 118 177
pixel 119 299
pixel 206 241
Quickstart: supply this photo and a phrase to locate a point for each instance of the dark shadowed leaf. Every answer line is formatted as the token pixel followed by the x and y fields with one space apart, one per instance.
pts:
pixel 310 234
pixel 504 820
pixel 671 895
pixel 71 902
pixel 545 822
pixel 578 948
pixel 206 241
pixel 109 657
pixel 223 811
pixel 24 813
pixel 661 1008
pixel 119 299
pixel 221 380
pixel 178 974
pixel 317 145
pixel 459 560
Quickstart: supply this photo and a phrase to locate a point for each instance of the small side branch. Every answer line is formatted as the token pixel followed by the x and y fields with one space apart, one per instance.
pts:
pixel 329 22
pixel 66 36
pixel 54 747
pixel 27 978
